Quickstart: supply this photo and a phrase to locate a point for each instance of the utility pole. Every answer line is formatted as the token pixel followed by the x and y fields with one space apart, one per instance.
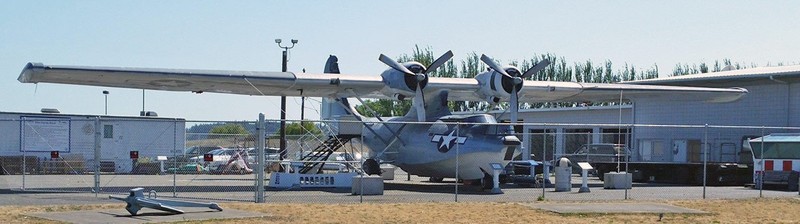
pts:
pixel 283 98
pixel 302 108
pixel 105 94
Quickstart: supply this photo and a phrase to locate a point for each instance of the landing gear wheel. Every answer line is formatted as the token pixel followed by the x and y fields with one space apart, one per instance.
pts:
pixel 371 166
pixel 486 182
pixel 436 179
pixel 601 174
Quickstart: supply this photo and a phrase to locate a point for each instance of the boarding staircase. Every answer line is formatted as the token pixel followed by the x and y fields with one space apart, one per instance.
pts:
pixel 314 161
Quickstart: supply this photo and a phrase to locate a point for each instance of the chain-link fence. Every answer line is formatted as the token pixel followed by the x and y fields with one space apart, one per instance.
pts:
pixel 450 160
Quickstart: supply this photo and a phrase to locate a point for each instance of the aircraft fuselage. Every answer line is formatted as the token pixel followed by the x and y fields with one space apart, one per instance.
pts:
pixel 467 143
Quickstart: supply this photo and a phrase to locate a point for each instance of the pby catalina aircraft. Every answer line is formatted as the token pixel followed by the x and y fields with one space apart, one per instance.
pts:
pixel 432 146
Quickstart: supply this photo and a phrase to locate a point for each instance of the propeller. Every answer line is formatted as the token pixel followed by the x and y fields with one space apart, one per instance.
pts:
pixel 517 80
pixel 419 95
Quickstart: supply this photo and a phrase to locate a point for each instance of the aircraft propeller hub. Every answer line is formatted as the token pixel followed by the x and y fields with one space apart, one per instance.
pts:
pixel 513 71
pixel 517 80
pixel 421 77
pixel 415 78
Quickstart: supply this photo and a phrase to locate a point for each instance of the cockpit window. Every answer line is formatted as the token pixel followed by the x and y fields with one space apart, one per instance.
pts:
pixel 438 128
pixel 501 129
pixel 483 119
pixel 477 124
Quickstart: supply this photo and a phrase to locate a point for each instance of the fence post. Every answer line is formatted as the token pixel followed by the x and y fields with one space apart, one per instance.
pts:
pixel 361 174
pixel 97 151
pixel 24 161
pixel 705 159
pixel 260 159
pixel 458 158
pixel 760 183
pixel 545 167
pixel 175 155
pixel 627 158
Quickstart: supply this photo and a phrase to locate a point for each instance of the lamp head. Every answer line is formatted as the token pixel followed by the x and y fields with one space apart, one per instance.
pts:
pixel 105 92
pixel 277 41
pixel 294 41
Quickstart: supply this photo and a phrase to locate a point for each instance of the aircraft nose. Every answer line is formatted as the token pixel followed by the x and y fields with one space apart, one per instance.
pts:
pixel 511 140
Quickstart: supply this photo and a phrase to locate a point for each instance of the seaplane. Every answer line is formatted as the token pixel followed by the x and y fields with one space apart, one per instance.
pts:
pixel 428 141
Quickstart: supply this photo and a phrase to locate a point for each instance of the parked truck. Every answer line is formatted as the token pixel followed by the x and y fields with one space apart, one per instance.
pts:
pixel 616 157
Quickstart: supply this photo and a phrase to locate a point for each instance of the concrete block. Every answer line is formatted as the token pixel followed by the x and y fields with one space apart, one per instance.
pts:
pixel 387 171
pixel 614 180
pixel 371 185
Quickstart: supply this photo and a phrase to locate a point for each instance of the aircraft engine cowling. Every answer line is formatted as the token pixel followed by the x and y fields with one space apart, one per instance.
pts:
pixel 401 86
pixel 495 87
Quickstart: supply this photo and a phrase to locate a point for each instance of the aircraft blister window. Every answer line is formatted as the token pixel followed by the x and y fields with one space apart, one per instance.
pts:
pixel 438 128
pixel 498 130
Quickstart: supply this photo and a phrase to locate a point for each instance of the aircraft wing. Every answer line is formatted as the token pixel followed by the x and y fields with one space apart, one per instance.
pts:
pixel 199 81
pixel 604 92
pixel 548 91
pixel 342 85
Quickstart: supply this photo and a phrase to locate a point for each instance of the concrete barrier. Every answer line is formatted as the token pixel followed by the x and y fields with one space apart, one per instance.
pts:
pixel 614 180
pixel 367 185
pixel 387 171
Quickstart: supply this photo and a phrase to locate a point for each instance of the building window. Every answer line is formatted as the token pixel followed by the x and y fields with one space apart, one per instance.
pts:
pixel 543 144
pixel 575 138
pixel 616 135
pixel 108 131
pixel 648 149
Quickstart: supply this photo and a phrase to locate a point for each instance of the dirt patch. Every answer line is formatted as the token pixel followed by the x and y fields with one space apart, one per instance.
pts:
pixel 722 211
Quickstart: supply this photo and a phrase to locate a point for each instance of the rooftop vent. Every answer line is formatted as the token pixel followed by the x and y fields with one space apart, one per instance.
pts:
pixel 728 68
pixel 50 111
pixel 148 114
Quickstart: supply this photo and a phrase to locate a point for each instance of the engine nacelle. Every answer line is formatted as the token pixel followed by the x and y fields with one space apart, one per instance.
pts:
pixel 495 87
pixel 400 85
pixel 399 97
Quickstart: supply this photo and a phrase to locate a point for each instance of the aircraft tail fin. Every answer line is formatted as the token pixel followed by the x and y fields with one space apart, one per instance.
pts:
pixel 333 108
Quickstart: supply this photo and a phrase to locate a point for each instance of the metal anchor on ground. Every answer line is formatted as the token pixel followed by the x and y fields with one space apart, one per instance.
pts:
pixel 136 201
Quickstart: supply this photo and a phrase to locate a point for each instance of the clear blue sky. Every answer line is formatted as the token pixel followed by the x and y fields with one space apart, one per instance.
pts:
pixel 239 35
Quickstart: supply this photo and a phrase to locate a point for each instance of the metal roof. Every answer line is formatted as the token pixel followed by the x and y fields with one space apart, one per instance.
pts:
pixel 778 137
pixel 88 116
pixel 781 74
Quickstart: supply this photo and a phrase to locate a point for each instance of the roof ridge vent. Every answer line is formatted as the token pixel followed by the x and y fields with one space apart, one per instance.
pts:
pixel 50 111
pixel 728 68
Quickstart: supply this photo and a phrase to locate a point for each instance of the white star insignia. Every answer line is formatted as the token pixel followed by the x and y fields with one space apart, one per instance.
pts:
pixel 446 142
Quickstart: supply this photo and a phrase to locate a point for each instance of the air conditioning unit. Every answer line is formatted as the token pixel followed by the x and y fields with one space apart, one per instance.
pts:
pixel 346 125
pixel 148 114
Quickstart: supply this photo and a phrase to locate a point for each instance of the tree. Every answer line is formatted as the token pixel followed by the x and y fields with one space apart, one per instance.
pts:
pixel 228 129
pixel 296 128
pixel 558 70
pixel 470 67
pixel 684 69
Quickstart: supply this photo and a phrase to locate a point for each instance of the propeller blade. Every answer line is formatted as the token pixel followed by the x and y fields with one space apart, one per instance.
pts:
pixel 494 66
pixel 514 104
pixel 536 68
pixel 419 104
pixel 397 66
pixel 440 61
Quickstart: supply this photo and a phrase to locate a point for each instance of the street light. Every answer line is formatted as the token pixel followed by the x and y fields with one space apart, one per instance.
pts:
pixel 283 98
pixel 105 94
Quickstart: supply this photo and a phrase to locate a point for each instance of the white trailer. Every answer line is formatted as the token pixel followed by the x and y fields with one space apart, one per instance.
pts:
pixel 777 160
pixel 37 135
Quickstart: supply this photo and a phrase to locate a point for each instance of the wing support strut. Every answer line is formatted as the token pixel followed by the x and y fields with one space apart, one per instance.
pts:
pixel 394 139
pixel 362 122
pixel 395 134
